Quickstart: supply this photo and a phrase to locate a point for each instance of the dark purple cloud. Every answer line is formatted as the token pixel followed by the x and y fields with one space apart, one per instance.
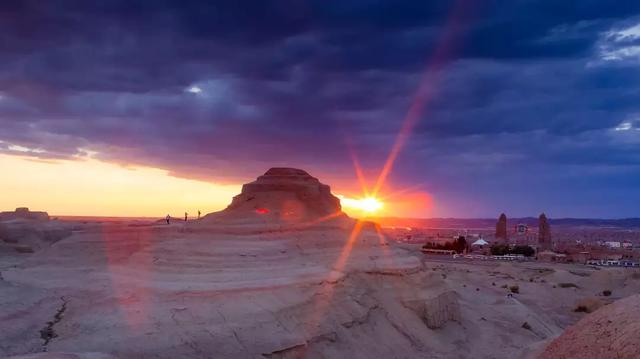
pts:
pixel 534 107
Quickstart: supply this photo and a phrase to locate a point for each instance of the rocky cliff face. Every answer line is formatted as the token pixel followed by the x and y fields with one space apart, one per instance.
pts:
pixel 442 309
pixel 282 195
pixel 437 311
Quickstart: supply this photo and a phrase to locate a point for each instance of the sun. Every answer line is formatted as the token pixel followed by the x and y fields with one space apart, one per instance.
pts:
pixel 365 205
pixel 370 204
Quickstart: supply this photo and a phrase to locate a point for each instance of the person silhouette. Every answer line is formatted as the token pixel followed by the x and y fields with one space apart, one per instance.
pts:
pixel 198 214
pixel 168 218
pixel 185 216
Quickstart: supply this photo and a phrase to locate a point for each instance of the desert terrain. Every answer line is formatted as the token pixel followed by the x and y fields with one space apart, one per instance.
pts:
pixel 245 283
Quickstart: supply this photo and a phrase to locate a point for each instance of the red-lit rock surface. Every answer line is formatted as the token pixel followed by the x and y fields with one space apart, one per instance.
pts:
pixel 612 332
pixel 281 195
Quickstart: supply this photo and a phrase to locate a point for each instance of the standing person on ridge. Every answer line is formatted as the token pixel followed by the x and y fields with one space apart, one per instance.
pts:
pixel 168 218
pixel 198 214
pixel 185 216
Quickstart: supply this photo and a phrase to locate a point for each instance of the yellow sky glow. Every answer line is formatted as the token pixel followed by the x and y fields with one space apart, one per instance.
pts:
pixel 93 188
pixel 88 187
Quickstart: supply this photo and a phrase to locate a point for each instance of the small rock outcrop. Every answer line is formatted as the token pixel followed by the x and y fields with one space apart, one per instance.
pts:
pixel 23 213
pixel 281 195
pixel 24 231
pixel 441 309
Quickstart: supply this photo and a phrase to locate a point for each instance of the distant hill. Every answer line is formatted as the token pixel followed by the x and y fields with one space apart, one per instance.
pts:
pixel 491 222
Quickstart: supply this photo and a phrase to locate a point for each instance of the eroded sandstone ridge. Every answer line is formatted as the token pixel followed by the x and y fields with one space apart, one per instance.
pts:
pixel 281 195
pixel 442 309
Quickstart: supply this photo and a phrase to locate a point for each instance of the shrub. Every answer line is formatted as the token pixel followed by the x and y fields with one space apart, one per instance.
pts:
pixel 580 309
pixel 526 326
pixel 588 305
pixel 499 249
pixel 568 285
pixel 502 249
pixel 458 245
pixel 524 250
pixel 514 289
pixel 606 293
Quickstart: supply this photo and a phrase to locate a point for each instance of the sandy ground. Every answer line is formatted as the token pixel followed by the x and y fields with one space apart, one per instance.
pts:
pixel 158 291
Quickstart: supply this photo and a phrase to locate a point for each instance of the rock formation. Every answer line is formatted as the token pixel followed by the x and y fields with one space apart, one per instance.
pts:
pixel 24 214
pixel 442 309
pixel 544 233
pixel 501 227
pixel 24 231
pixel 282 195
pixel 609 332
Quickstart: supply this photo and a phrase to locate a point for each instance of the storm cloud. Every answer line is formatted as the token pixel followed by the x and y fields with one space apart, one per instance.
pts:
pixel 532 105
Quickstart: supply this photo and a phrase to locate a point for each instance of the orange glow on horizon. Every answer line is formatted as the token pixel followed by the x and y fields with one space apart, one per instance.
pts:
pixel 87 187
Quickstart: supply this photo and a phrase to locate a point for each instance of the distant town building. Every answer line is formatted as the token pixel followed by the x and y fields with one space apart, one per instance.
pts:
pixel 480 246
pixel 480 242
pixel 612 244
pixel 501 227
pixel 522 228
pixel 544 233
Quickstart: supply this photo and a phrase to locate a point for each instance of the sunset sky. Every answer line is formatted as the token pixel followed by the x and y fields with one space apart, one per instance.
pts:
pixel 142 108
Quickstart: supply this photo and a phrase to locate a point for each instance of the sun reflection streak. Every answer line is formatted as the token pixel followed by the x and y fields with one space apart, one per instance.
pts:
pixel 346 250
pixel 424 94
pixel 131 290
pixel 359 174
pixel 398 193
pixel 320 220
pixel 325 297
pixel 382 241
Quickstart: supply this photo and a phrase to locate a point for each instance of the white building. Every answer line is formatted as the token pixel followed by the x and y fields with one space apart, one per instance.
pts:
pixel 479 242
